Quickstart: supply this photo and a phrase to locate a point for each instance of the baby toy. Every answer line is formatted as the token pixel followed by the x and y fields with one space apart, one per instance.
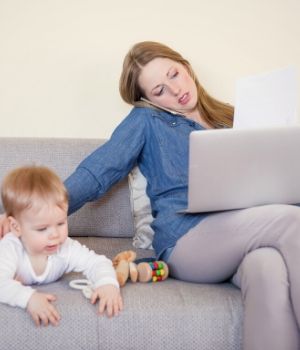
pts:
pixel 84 285
pixel 126 268
pixel 155 271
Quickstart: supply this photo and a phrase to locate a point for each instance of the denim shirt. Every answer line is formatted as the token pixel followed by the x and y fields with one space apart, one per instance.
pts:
pixel 158 142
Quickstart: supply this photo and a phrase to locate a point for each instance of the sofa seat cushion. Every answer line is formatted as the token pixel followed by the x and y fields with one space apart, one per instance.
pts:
pixel 112 246
pixel 164 315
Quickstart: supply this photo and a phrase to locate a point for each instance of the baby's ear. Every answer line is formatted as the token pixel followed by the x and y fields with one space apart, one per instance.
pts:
pixel 14 226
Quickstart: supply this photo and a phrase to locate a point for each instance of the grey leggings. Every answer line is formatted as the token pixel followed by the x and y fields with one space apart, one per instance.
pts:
pixel 259 248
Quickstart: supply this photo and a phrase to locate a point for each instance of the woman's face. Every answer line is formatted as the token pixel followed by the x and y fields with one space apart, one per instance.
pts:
pixel 168 84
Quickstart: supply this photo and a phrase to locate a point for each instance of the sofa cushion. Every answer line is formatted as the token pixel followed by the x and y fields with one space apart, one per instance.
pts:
pixel 141 210
pixel 63 155
pixel 167 315
pixel 110 247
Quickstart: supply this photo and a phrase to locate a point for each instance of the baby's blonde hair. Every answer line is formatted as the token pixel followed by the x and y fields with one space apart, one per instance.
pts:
pixel 23 186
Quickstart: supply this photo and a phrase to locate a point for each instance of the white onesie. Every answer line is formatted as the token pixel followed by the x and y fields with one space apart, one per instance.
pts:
pixel 17 274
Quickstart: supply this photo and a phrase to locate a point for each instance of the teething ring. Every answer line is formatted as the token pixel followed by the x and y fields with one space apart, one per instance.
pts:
pixel 80 284
pixel 84 285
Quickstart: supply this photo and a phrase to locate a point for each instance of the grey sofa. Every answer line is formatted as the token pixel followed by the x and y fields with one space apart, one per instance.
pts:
pixel 166 315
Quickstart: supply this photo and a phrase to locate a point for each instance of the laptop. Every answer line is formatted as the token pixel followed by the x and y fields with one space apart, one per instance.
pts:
pixel 240 168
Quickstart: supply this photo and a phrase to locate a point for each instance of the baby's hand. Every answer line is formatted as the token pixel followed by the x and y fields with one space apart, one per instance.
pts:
pixel 110 299
pixel 42 310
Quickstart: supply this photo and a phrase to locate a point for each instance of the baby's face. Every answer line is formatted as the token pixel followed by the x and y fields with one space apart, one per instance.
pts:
pixel 43 228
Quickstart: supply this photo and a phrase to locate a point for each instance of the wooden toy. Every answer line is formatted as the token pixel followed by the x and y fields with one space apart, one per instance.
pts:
pixel 126 269
pixel 155 271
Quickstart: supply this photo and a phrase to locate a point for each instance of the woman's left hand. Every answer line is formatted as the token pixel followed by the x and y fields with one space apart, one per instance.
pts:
pixel 4 225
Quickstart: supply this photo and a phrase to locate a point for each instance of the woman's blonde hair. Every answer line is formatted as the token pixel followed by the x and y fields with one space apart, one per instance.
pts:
pixel 214 112
pixel 23 186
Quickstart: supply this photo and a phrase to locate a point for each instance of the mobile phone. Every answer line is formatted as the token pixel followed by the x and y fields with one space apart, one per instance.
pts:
pixel 158 106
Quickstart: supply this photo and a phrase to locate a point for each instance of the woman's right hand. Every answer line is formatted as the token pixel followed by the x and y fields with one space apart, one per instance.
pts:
pixel 4 225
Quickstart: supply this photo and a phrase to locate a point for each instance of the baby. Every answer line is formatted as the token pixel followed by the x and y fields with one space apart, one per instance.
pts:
pixel 37 250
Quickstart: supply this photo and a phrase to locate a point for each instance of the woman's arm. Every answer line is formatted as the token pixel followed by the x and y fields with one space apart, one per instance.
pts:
pixel 109 163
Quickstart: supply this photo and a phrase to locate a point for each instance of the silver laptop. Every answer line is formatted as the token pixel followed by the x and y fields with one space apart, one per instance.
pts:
pixel 240 168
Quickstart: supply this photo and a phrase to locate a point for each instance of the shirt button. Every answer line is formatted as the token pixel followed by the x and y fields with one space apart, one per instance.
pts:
pixel 173 123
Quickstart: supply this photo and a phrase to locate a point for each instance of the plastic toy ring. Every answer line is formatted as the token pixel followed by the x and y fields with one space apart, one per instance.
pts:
pixel 84 285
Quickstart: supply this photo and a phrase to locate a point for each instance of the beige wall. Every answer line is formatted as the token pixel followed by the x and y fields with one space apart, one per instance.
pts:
pixel 60 60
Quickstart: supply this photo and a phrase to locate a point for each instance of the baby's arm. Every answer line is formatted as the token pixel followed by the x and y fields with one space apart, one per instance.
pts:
pixel 100 271
pixel 14 293
pixel 42 310
pixel 109 299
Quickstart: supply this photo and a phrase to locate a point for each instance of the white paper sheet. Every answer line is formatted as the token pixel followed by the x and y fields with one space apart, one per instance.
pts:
pixel 268 99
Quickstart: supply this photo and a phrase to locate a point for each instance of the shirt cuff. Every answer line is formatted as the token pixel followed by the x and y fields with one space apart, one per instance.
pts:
pixel 25 296
pixel 105 281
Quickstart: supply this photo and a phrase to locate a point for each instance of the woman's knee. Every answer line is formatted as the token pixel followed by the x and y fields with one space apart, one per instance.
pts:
pixel 264 270
pixel 287 214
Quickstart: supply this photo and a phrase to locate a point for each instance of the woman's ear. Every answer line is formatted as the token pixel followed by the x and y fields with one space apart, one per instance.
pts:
pixel 14 226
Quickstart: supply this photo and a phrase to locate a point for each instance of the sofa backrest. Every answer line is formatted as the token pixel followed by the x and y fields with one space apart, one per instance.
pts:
pixel 108 217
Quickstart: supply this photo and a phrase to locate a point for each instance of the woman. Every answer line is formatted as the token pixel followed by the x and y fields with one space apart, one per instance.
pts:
pixel 258 248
